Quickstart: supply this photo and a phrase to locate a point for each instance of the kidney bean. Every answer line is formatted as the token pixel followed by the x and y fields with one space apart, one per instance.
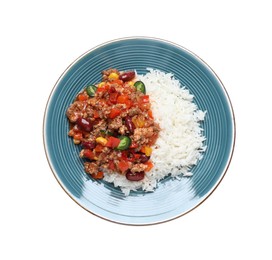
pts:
pixel 129 124
pixel 144 158
pixel 88 145
pixel 127 76
pixel 84 124
pixel 137 176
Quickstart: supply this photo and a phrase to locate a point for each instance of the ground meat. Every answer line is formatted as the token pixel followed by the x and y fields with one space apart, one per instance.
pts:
pixel 106 150
pixel 120 106
pixel 92 102
pixel 116 123
pixel 99 126
pixel 134 111
pixel 102 95
pixel 134 96
pixel 141 135
pixel 139 167
pixel 106 115
pixel 156 128
pixel 91 167
pixel 90 138
pixel 90 112
pixel 102 158
pixel 76 110
pixel 118 88
pixel 149 123
pixel 102 108
pixel 123 129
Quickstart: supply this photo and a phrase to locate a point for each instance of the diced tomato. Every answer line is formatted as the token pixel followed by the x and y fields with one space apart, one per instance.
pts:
pixel 96 114
pixel 103 88
pixel 137 155
pixel 98 175
pixel 111 165
pixel 143 102
pixel 122 99
pixel 100 89
pixel 149 166
pixel 144 99
pixel 129 156
pixel 128 104
pixel 123 166
pixel 113 97
pixel 133 145
pixel 132 157
pixel 99 148
pixel 153 139
pixel 82 97
pixel 144 106
pixel 114 113
pixel 113 142
pixel 117 81
pixel 150 114
pixel 124 155
pixel 88 154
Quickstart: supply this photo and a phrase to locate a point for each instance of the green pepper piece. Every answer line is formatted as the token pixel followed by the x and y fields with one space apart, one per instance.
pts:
pixel 91 89
pixel 139 85
pixel 124 144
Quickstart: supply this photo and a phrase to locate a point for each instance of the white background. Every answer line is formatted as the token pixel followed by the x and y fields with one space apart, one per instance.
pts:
pixel 39 39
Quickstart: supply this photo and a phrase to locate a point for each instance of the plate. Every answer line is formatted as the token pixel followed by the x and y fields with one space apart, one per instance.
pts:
pixel 172 198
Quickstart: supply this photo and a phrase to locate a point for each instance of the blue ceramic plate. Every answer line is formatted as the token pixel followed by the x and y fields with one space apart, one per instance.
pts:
pixel 172 198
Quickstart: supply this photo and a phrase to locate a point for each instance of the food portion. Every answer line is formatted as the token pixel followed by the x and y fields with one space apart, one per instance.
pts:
pixel 114 124
pixel 135 130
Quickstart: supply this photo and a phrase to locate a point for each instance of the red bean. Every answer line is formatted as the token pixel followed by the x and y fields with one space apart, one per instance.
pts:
pixel 136 176
pixel 127 76
pixel 144 158
pixel 129 124
pixel 88 145
pixel 84 124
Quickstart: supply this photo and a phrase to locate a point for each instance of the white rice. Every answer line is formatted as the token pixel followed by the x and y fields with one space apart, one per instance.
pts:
pixel 180 143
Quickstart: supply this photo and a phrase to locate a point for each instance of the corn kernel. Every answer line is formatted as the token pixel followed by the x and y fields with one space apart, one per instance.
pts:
pixel 101 140
pixel 101 84
pixel 130 83
pixel 148 151
pixel 113 76
pixel 138 122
